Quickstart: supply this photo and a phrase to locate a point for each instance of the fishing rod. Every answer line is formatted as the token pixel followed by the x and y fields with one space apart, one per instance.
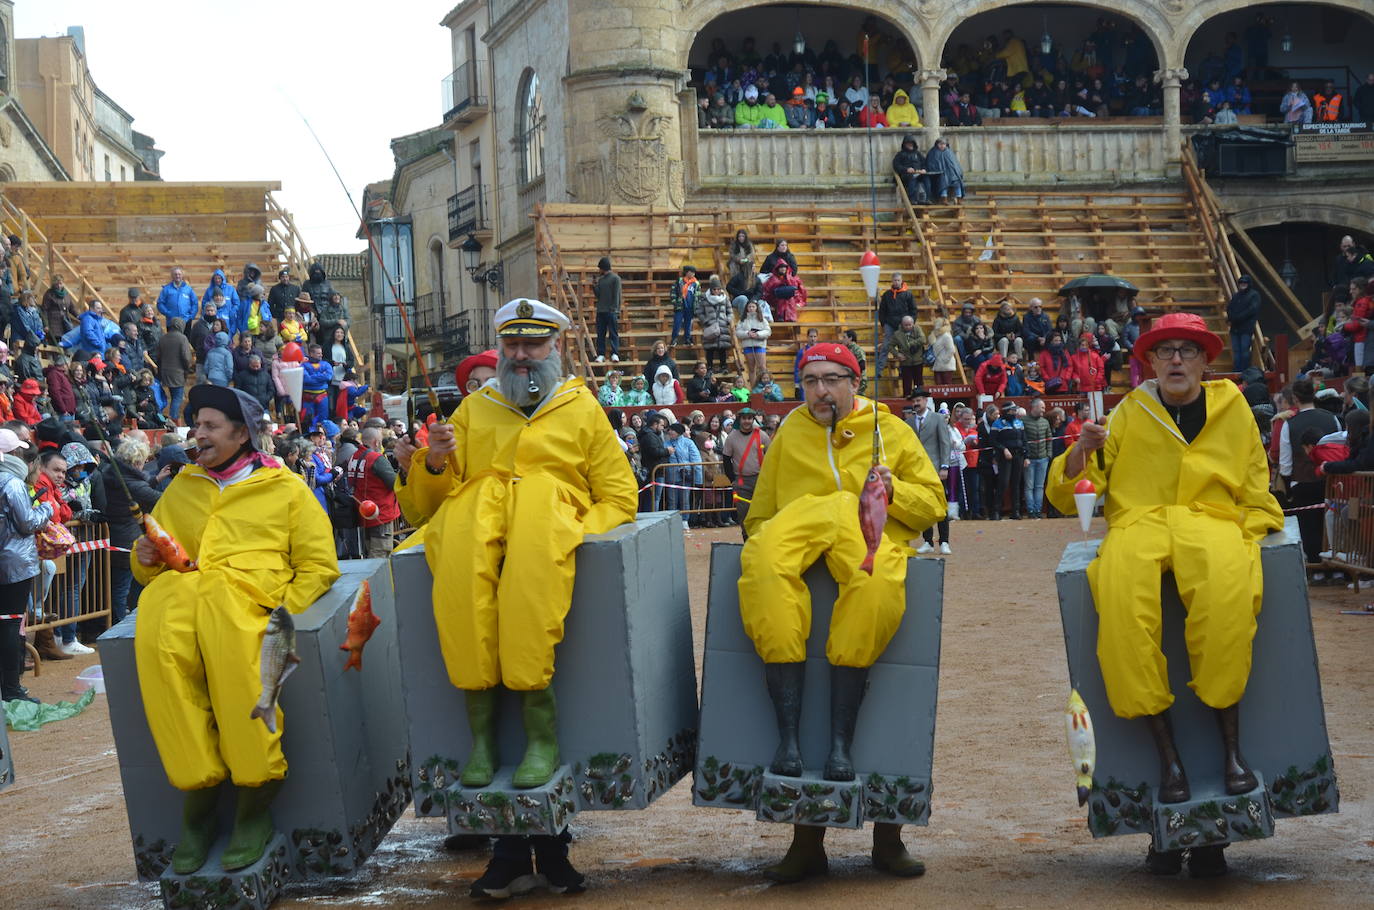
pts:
pixel 381 264
pixel 873 214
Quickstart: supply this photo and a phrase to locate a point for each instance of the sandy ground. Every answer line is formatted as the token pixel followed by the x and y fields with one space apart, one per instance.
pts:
pixel 1005 829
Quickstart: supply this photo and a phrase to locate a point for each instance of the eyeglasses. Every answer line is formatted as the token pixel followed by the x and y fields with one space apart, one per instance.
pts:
pixel 830 380
pixel 1166 353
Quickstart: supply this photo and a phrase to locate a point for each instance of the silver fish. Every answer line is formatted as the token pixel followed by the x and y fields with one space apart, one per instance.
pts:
pixel 276 661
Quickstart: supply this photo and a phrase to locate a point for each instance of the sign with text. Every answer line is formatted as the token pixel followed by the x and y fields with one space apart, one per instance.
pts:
pixel 1335 146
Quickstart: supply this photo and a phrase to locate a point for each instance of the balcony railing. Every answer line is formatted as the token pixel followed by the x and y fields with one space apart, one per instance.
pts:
pixel 464 95
pixel 468 213
pixel 428 314
pixel 456 333
pixel 392 328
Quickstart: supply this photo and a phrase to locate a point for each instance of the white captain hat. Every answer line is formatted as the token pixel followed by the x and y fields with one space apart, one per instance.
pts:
pixel 525 317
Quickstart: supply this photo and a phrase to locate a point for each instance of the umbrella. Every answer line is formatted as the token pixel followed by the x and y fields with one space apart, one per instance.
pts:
pixel 1083 282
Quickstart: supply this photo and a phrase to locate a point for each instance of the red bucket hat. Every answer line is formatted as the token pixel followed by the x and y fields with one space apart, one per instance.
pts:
pixel 1183 326
pixel 464 370
pixel 834 353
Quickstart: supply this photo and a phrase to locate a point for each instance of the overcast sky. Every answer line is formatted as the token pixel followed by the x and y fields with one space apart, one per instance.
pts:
pixel 210 81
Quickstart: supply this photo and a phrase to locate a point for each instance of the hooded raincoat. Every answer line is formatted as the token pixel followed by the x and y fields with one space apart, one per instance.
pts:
pixel 1198 509
pixel 806 507
pixel 902 112
pixel 260 542
pixel 503 522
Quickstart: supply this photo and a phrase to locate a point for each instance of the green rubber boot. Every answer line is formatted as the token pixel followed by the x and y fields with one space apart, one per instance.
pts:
pixel 252 826
pixel 890 856
pixel 541 740
pixel 805 857
pixel 481 766
pixel 197 830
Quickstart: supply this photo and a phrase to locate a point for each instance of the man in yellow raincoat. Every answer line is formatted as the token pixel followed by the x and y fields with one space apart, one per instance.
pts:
pixel 1187 490
pixel 806 507
pixel 260 540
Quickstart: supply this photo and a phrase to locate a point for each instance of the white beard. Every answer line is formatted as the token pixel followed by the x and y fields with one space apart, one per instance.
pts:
pixel 544 375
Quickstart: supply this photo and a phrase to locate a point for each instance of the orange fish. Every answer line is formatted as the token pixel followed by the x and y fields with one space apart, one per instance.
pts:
pixel 872 515
pixel 172 554
pixel 361 624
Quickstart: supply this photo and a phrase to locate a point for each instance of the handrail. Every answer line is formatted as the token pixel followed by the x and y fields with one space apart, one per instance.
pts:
pixel 565 294
pixel 28 232
pixel 932 268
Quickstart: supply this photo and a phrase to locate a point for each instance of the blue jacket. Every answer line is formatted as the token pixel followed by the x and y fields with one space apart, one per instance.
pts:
pixel 178 302
pixel 27 325
pixel 684 451
pixel 229 311
pixel 92 332
pixel 323 476
pixel 219 362
pixel 317 376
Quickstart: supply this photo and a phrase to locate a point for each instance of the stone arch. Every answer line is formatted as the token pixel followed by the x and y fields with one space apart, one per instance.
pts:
pixel 1277 213
pixel 531 127
pixel 897 16
pixel 1149 17
pixel 7 174
pixel 1194 14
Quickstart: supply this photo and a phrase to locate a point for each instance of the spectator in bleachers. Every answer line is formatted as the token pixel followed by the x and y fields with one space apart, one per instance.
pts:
pixel 1016 376
pixel 291 329
pixel 1363 100
pixel 177 299
pixel 638 394
pixel 1089 372
pixel 219 362
pixel 1329 105
pixel 978 346
pixel 1296 107
pixel 742 256
pixel 1239 95
pixel 753 331
pixel 963 112
pixel 608 298
pixel 946 175
pixel 282 294
pixel 203 326
pixel 149 330
pixel 1242 313
pixel 659 356
pixel 135 352
pixel 255 380
pixel 799 112
pixel 666 390
pixel 19 269
pixel 1035 328
pixel 1006 329
pixel 784 292
pixel 896 304
pixel 25 402
pixel 701 386
pixel 251 275
pixel 60 312
pixel 228 301
pixel 856 94
pixel 780 252
pixel 991 377
pixel 714 313
pixel 175 360
pixel 944 352
pixel 902 112
pixel 59 382
pixel 766 387
pixel 26 325
pixel 331 315
pixel 1104 342
pixel 872 114
pixel 826 116
pixel 92 337
pixel 909 164
pixel 748 114
pixel 133 309
pixel 720 115
pixel 683 300
pixel 845 116
pixel 908 345
pixel 610 394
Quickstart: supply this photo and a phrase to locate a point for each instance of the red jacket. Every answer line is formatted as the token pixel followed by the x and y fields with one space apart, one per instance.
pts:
pixel 365 484
pixel 1049 371
pixel 1088 370
pixel 1325 452
pixel 1364 309
pixel 25 410
pixel 48 492
pixel 988 382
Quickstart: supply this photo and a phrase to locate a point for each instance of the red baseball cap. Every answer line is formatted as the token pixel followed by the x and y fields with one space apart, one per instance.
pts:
pixel 464 369
pixel 834 353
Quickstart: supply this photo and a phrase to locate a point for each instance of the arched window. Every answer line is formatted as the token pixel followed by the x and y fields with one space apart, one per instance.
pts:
pixel 529 128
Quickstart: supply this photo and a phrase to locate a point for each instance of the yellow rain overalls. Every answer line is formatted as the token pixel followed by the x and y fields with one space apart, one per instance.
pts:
pixel 805 507
pixel 502 529
pixel 1199 510
pixel 260 543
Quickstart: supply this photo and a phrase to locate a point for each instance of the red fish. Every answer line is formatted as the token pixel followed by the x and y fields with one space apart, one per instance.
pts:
pixel 172 554
pixel 361 624
pixel 872 515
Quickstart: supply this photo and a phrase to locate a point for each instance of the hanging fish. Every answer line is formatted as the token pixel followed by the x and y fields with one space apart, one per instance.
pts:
pixel 361 623
pixel 872 515
pixel 1082 745
pixel 276 662
pixel 172 554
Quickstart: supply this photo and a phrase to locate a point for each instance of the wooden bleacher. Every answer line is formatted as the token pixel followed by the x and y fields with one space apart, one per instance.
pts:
pixel 994 246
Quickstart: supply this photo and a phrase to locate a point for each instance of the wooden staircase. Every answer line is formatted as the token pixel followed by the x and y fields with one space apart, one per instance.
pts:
pixel 999 245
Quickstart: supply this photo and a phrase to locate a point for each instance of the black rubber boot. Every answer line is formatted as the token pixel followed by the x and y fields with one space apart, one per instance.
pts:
pixel 785 683
pixel 1169 862
pixel 846 694
pixel 805 857
pixel 1239 777
pixel 1173 781
pixel 890 855
pixel 1207 862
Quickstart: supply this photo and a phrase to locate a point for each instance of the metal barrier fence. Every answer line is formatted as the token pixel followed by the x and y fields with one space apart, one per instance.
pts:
pixel 76 587
pixel 1350 522
pixel 671 494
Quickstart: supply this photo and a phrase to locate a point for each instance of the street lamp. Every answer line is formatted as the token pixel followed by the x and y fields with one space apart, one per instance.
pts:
pixel 472 261
pixel 1046 42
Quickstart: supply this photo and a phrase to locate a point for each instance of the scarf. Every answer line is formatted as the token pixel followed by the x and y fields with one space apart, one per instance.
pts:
pixel 240 466
pixel 1057 356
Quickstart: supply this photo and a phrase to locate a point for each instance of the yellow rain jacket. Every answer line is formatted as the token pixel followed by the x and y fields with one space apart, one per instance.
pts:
pixel 260 543
pixel 1197 510
pixel 806 506
pixel 503 522
pixel 903 112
